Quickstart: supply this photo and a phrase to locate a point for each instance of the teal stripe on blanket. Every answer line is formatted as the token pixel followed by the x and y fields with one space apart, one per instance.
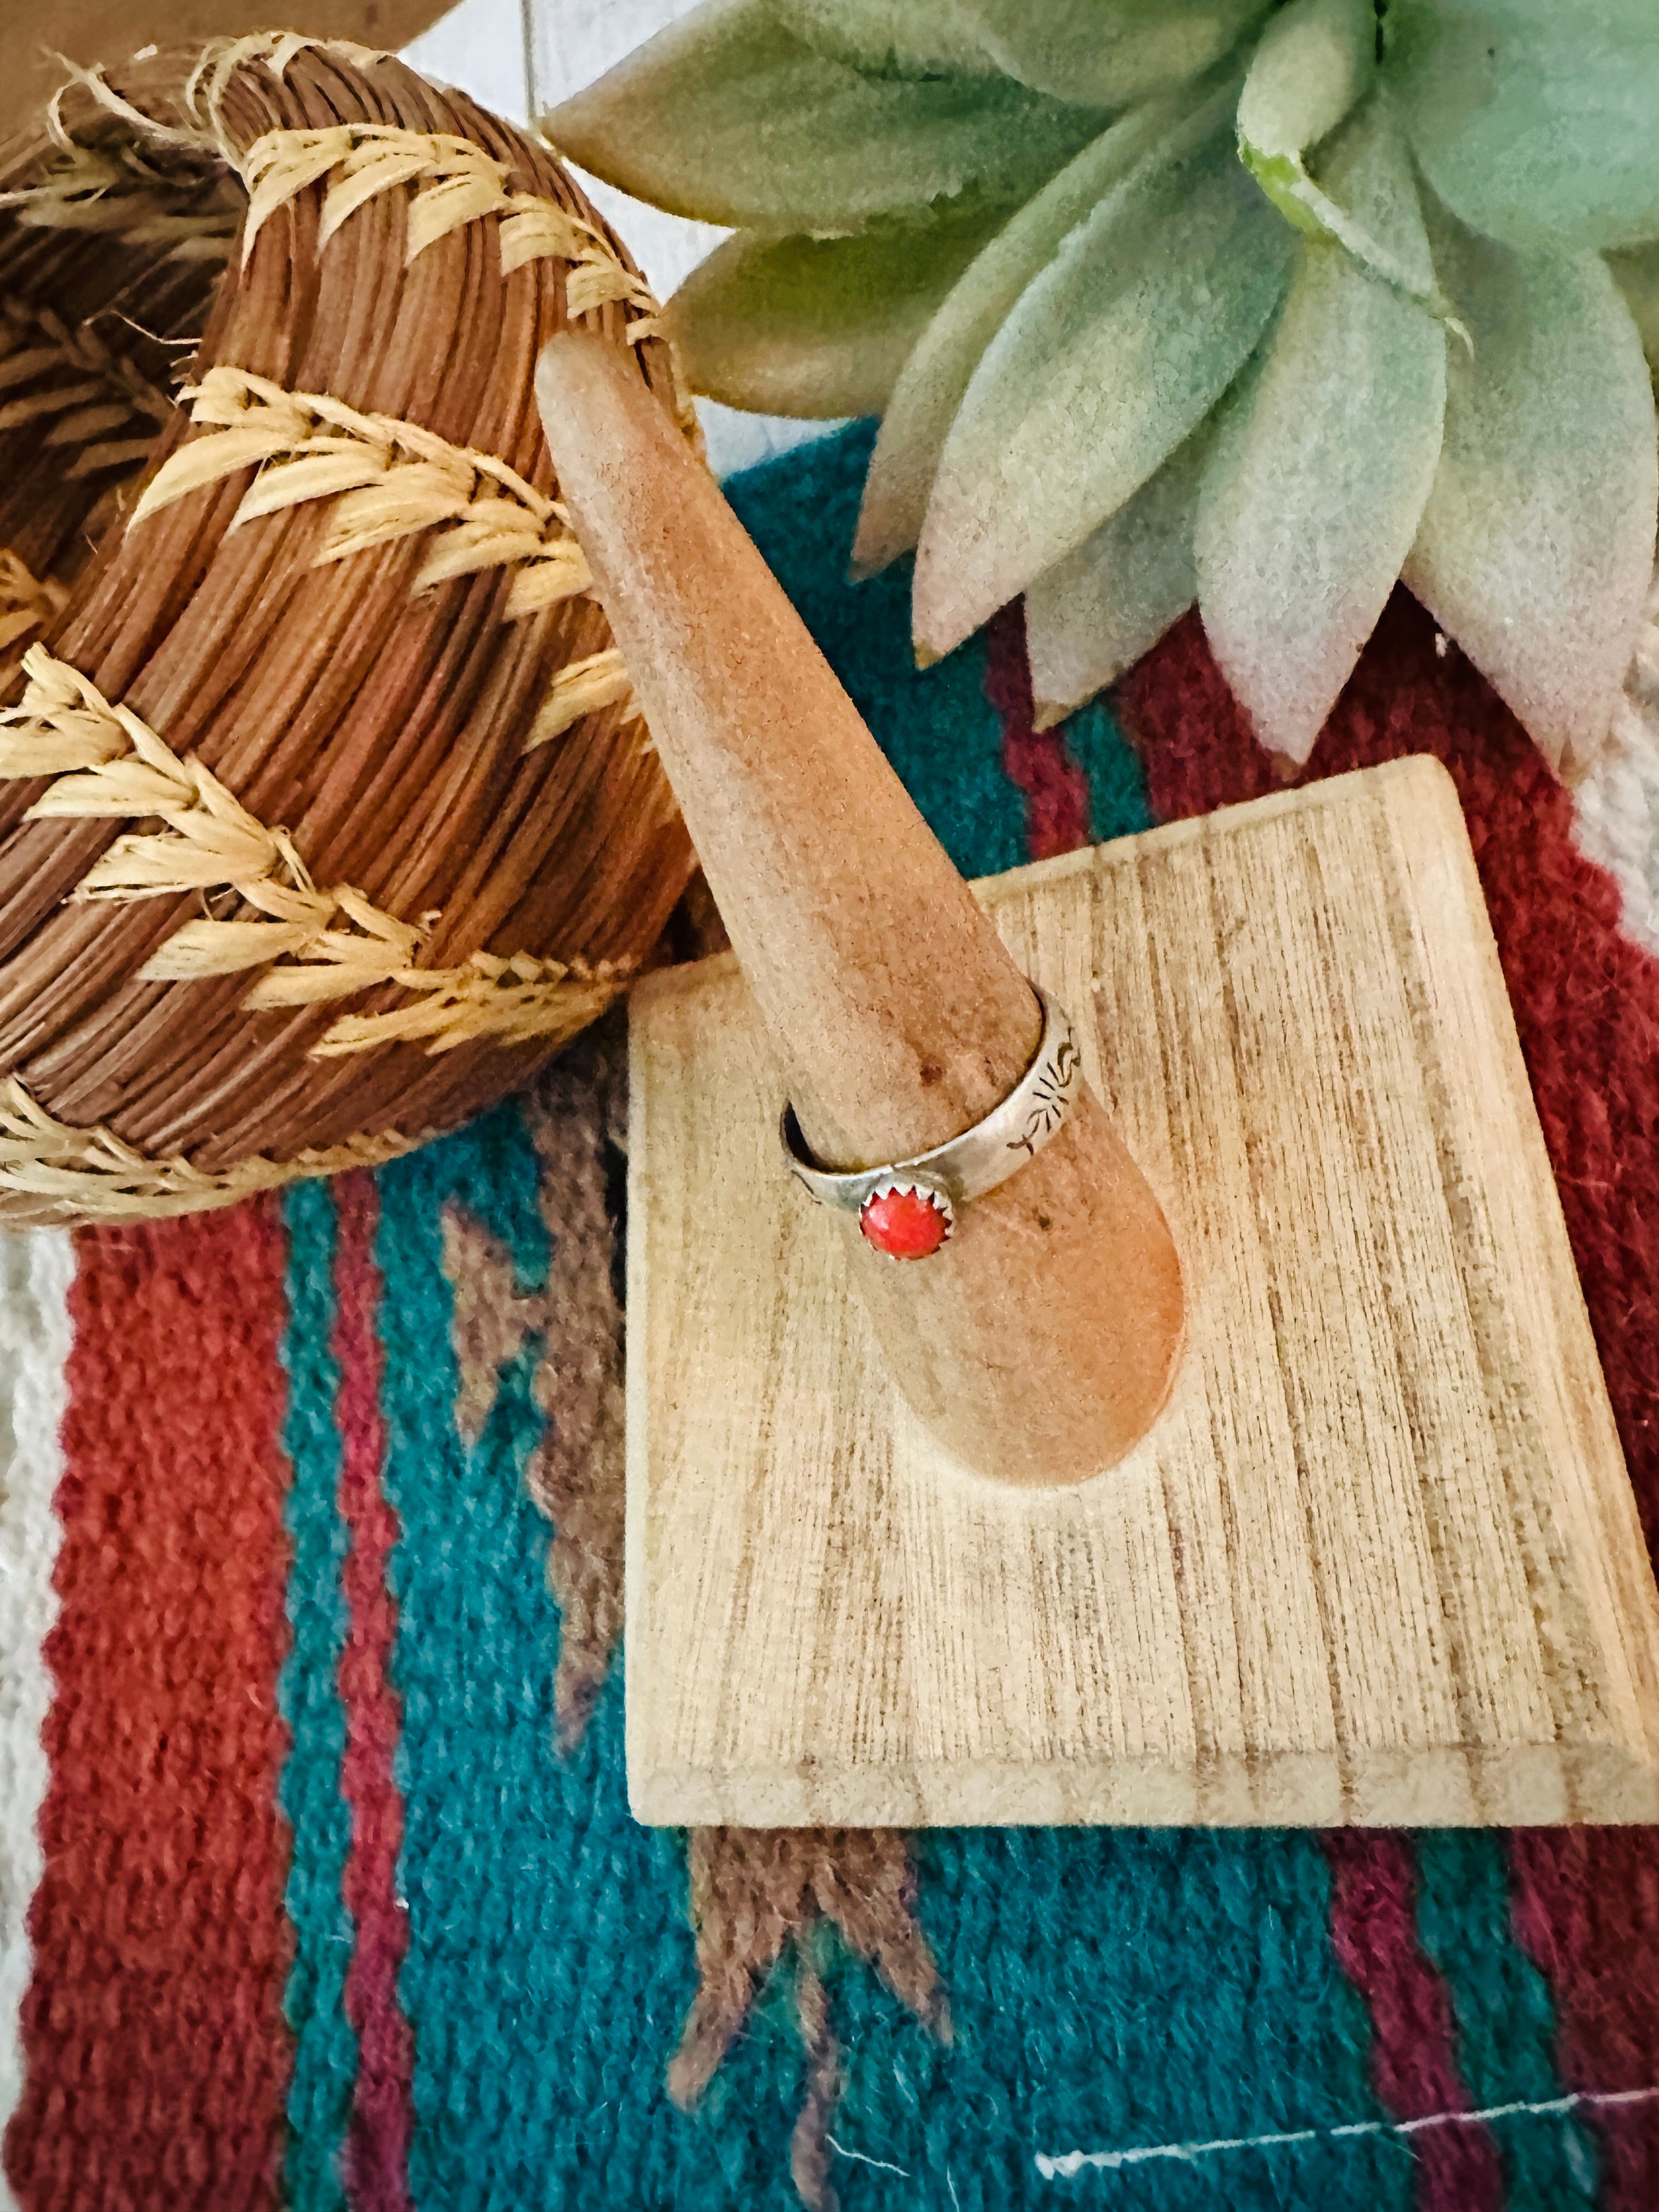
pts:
pixel 1117 782
pixel 1505 2019
pixel 325 2048
pixel 550 1958
pixel 1116 1990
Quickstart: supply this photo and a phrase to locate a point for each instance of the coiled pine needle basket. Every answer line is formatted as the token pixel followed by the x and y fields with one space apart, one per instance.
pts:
pixel 326 814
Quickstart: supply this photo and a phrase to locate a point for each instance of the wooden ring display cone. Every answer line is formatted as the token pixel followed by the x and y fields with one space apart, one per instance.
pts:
pixel 1041 1342
pixel 1376 1560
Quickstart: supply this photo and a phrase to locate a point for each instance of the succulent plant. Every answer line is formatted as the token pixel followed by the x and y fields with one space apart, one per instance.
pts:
pixel 1261 305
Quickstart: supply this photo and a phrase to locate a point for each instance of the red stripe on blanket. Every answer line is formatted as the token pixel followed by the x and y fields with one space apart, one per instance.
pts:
pixel 376 2157
pixel 1413 2053
pixel 158 2062
pixel 1053 787
pixel 1587 1914
pixel 1586 1007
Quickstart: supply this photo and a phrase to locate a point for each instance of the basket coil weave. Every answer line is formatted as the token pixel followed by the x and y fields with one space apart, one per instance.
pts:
pixel 326 810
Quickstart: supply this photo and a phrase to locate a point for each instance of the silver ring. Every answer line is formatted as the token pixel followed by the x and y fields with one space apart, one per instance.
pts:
pixel 908 1209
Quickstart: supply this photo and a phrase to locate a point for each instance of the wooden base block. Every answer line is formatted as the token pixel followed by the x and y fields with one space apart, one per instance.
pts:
pixel 1377 1563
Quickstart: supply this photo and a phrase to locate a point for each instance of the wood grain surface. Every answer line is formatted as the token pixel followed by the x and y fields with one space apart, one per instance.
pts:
pixel 1378 1562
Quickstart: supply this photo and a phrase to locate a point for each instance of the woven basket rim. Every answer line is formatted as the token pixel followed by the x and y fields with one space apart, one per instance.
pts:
pixel 86 754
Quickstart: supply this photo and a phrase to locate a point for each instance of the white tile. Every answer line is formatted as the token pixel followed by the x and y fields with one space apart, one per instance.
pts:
pixel 573 41
pixel 479 48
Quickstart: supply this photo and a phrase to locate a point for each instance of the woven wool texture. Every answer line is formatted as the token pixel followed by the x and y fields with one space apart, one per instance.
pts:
pixel 319 1885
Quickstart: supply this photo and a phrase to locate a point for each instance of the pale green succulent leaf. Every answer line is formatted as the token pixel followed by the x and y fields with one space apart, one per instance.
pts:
pixel 1536 547
pixel 1095 613
pixel 816 326
pixel 932 381
pixel 1536 121
pixel 1324 459
pixel 1637 275
pixel 1115 352
pixel 894 38
pixel 1108 53
pixel 728 116
pixel 1313 62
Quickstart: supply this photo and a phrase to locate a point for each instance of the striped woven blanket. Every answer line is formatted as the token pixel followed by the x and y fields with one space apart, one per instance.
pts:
pixel 318 1885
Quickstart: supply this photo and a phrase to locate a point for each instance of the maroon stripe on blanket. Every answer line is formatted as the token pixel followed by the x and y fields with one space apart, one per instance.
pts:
pixel 1038 762
pixel 377 2147
pixel 1414 2051
pixel 1587 1914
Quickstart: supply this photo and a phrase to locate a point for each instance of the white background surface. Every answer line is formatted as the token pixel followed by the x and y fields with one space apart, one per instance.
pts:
pixel 522 57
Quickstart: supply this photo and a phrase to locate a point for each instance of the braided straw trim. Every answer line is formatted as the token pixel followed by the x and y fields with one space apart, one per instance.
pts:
pixel 365 159
pixel 107 761
pixel 514 1001
pixel 114 193
pixel 582 688
pixel 26 604
pixel 116 190
pixel 220 58
pixel 204 90
pixel 104 393
pixel 50 1172
pixel 189 139
pixel 388 479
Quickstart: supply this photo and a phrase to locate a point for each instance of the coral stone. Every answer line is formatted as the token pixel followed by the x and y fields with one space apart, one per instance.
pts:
pixel 906 1224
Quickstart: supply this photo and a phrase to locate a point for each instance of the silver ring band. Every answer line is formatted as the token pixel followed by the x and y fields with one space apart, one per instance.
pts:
pixel 969 1164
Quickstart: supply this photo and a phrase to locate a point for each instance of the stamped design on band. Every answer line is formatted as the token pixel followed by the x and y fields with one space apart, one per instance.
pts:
pixel 1051 1098
pixel 909 1208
